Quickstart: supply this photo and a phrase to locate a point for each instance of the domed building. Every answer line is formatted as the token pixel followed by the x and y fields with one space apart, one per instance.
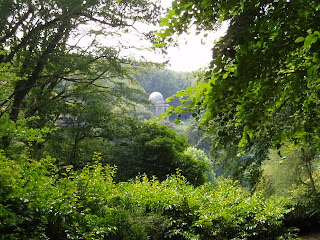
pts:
pixel 159 106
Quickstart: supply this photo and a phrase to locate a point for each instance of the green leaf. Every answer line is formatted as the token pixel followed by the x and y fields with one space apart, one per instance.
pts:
pixel 299 39
pixel 310 39
pixel 225 75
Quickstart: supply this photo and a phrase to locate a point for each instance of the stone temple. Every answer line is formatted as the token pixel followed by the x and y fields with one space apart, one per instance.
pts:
pixel 159 106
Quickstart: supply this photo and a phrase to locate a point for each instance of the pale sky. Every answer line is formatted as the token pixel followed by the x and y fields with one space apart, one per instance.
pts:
pixel 191 53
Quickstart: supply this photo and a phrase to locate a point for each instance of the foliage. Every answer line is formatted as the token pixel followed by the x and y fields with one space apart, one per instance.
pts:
pixel 40 200
pixel 43 52
pixel 202 156
pixel 38 203
pixel 197 137
pixel 262 89
pixel 64 99
pixel 182 127
pixel 81 89
pixel 288 175
pixel 88 121
pixel 306 214
pixel 22 136
pixel 84 90
pixel 153 149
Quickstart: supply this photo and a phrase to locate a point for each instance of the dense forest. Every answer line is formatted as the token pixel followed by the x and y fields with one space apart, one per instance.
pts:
pixel 82 156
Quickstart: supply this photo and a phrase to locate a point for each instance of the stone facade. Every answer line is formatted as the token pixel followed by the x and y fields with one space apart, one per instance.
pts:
pixel 159 106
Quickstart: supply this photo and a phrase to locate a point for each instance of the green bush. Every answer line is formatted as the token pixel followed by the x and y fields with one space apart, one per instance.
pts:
pixel 39 201
pixel 155 150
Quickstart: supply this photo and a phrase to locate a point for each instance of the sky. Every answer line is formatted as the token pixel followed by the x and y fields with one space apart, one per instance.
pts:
pixel 193 51
pixel 191 54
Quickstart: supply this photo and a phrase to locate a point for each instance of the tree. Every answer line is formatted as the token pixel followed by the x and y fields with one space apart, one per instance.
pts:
pixel 202 156
pixel 42 42
pixel 288 175
pixel 262 89
pixel 89 120
pixel 155 150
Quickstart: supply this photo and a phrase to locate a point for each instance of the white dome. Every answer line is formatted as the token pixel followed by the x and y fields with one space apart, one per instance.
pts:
pixel 156 97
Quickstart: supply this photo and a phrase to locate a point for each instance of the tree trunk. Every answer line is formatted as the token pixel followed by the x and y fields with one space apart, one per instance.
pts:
pixel 307 157
pixel 24 87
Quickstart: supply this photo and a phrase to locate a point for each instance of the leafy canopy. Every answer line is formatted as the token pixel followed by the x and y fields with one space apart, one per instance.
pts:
pixel 263 85
pixel 42 46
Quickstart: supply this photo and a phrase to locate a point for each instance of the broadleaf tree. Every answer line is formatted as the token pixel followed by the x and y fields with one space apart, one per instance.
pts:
pixel 49 44
pixel 263 86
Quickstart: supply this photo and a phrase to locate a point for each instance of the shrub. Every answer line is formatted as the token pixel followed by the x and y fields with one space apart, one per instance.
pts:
pixel 38 203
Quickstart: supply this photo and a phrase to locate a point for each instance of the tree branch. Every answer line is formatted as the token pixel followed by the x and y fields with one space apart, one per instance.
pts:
pixel 14 29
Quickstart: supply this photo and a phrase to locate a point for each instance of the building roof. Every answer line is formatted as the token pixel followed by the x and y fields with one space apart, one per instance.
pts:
pixel 156 97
